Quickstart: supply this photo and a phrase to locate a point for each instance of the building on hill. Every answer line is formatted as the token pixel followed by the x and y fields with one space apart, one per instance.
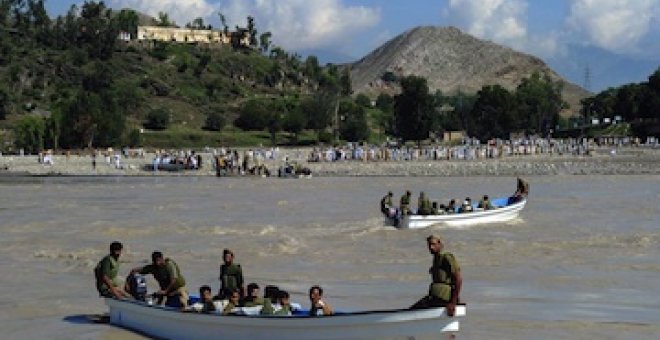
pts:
pixel 189 35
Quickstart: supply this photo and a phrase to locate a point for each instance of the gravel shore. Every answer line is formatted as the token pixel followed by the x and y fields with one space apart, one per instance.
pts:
pixel 626 161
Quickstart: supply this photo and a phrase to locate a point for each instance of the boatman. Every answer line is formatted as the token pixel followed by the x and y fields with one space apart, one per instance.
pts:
pixel 169 277
pixel 445 289
pixel 386 204
pixel 106 271
pixel 405 203
pixel 231 276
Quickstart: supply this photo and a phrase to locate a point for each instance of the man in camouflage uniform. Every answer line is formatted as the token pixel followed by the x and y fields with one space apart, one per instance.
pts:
pixel 447 280
pixel 106 271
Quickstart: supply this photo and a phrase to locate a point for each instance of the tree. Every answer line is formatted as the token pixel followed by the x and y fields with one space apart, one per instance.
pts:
pixel 164 20
pixel 158 119
pixel 414 109
pixel 252 30
pixel 214 121
pixel 539 103
pixel 311 68
pixel 491 116
pixel 29 134
pixel 320 109
pixel 385 119
pixel 253 116
pixel 353 125
pixel 363 101
pixel 264 41
pixel 345 82
pixel 294 122
pixel 223 21
pixel 127 21
pixel 4 103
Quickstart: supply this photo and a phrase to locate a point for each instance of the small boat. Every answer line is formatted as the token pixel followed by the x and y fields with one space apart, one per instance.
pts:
pixel 172 167
pixel 169 323
pixel 505 209
pixel 502 213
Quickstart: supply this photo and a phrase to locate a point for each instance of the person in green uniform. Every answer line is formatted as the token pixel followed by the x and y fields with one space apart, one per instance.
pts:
pixel 386 204
pixel 253 300
pixel 423 205
pixel 404 203
pixel 106 271
pixel 445 289
pixel 285 305
pixel 485 203
pixel 171 281
pixel 231 276
pixel 234 302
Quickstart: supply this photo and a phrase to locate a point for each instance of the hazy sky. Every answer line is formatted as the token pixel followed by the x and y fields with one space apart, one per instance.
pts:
pixel 355 27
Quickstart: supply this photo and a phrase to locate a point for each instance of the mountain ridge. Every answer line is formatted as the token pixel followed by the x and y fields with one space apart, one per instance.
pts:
pixel 452 61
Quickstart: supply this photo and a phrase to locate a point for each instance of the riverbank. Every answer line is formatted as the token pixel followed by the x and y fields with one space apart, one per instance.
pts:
pixel 626 161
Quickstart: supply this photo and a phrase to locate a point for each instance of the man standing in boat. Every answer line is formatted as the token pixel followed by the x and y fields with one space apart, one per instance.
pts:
pixel 386 204
pixel 106 273
pixel 231 276
pixel 445 289
pixel 169 277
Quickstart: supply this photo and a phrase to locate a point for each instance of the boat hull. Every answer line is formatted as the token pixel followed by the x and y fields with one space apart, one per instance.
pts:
pixel 502 214
pixel 172 324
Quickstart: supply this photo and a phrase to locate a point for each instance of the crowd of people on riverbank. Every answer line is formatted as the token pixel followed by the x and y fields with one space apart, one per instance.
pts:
pixel 470 149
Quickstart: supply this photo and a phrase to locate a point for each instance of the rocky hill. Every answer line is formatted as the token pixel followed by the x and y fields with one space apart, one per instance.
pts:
pixel 451 61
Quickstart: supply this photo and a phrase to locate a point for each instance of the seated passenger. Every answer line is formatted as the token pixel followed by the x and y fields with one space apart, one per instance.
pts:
pixel 271 293
pixel 253 300
pixel 284 304
pixel 423 205
pixel 467 206
pixel 318 306
pixel 234 302
pixel 485 203
pixel 451 208
pixel 442 210
pixel 435 209
pixel 206 299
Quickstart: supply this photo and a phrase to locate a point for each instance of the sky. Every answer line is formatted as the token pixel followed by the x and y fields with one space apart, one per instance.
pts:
pixel 352 28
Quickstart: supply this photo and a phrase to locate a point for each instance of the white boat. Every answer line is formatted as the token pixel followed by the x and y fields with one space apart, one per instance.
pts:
pixel 501 213
pixel 163 322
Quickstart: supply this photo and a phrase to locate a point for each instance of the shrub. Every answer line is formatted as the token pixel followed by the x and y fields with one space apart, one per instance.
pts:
pixel 158 119
pixel 214 121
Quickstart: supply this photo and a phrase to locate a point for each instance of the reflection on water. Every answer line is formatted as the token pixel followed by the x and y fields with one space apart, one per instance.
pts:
pixel 583 257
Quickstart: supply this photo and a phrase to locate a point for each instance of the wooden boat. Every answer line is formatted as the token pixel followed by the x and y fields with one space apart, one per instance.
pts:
pixel 164 322
pixel 503 212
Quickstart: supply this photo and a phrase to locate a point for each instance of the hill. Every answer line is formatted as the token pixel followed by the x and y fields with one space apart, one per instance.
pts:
pixel 451 61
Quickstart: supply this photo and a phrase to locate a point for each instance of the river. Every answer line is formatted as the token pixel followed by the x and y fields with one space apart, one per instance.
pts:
pixel 582 261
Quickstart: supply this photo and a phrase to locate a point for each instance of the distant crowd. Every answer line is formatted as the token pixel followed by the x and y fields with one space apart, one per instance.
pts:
pixel 470 149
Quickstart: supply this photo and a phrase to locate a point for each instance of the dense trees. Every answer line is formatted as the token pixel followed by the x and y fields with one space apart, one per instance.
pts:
pixel 633 102
pixel 415 111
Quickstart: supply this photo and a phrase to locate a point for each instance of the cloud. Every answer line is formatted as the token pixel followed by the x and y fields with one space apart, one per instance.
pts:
pixel 181 11
pixel 615 25
pixel 303 24
pixel 502 21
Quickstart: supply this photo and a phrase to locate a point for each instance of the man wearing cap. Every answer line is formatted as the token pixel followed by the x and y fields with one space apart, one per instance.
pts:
pixel 169 277
pixel 445 272
pixel 386 204
pixel 106 271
